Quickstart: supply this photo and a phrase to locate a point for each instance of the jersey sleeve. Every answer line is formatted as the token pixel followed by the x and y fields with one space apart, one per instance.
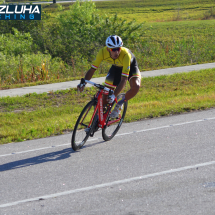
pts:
pixel 126 65
pixel 97 60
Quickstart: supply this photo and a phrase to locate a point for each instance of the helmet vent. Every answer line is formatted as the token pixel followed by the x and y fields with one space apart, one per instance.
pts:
pixel 117 40
pixel 110 45
pixel 113 40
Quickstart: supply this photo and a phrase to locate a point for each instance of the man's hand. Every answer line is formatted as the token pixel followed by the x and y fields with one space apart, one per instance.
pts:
pixel 81 86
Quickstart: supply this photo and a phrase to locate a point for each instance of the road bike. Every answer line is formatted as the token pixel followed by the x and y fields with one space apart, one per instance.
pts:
pixel 95 116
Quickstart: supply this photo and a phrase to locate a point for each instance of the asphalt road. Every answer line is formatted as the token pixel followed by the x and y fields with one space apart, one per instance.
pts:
pixel 158 166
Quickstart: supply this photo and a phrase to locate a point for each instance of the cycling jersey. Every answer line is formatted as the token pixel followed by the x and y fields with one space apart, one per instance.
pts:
pixel 124 60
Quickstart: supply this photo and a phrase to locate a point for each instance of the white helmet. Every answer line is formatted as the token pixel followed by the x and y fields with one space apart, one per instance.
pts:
pixel 114 41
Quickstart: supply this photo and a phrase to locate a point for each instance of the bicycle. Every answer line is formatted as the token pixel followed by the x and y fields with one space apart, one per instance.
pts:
pixel 94 118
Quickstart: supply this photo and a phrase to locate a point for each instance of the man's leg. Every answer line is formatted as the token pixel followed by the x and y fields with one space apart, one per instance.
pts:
pixel 134 88
pixel 112 80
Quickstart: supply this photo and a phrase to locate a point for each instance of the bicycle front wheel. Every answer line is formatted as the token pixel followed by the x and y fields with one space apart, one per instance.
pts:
pixel 83 127
pixel 112 125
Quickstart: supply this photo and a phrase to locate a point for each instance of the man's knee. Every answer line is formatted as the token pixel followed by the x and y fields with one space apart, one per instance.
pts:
pixel 135 84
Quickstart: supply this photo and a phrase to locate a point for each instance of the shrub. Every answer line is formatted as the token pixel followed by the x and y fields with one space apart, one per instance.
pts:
pixel 16 43
pixel 78 32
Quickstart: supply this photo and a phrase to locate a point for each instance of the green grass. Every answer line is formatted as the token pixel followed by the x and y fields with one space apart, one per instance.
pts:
pixel 36 116
pixel 170 44
pixel 30 84
pixel 165 44
pixel 152 11
pixel 158 10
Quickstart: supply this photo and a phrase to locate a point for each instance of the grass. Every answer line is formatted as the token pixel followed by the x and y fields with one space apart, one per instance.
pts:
pixel 171 44
pixel 29 84
pixel 165 44
pixel 152 11
pixel 159 11
pixel 36 116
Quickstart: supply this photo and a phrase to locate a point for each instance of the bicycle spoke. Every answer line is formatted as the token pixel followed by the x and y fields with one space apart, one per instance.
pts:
pixel 80 135
pixel 113 125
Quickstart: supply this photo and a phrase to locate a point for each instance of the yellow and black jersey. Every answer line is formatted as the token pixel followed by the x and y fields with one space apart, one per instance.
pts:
pixel 124 60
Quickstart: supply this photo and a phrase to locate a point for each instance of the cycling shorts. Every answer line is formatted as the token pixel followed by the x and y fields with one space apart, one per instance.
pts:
pixel 113 77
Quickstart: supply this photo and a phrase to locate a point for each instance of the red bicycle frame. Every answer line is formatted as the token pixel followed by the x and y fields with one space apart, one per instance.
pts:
pixel 99 106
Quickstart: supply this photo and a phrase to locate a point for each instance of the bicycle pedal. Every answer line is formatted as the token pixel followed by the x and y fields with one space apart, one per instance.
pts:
pixel 92 134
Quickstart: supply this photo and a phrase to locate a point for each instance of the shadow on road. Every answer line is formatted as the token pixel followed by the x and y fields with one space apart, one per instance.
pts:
pixel 53 156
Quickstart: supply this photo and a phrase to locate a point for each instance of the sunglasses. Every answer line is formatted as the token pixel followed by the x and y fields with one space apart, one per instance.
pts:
pixel 115 49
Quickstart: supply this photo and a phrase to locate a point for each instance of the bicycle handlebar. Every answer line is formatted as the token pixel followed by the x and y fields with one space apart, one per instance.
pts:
pixel 97 85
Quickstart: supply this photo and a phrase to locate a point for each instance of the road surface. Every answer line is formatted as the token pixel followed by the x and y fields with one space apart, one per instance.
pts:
pixel 158 166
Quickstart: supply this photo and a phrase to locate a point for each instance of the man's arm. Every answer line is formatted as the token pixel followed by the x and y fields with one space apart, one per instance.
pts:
pixel 89 74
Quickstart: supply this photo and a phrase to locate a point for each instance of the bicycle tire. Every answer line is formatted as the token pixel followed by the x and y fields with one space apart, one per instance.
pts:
pixel 79 129
pixel 116 126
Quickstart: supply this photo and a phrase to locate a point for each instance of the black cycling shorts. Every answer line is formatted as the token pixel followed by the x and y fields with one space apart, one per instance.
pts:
pixel 113 77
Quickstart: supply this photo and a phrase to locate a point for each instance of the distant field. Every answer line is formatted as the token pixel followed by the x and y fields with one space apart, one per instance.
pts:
pixel 169 44
pixel 159 10
pixel 41 115
pixel 149 10
pixel 167 31
pixel 174 33
pixel 155 10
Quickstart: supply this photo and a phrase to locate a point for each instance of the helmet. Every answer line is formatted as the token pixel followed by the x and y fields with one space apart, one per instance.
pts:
pixel 114 41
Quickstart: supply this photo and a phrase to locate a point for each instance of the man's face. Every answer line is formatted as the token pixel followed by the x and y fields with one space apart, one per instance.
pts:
pixel 114 53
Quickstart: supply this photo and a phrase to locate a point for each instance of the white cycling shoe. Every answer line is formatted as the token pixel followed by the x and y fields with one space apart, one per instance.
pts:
pixel 117 110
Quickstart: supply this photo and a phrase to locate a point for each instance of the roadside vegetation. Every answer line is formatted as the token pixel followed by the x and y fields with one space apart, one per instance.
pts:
pixel 164 34
pixel 54 49
pixel 41 115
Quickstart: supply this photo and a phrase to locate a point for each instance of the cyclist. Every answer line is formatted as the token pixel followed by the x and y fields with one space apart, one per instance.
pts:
pixel 124 67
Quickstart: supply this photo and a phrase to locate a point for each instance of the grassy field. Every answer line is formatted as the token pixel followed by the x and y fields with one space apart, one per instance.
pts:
pixel 164 45
pixel 153 11
pixel 175 33
pixel 159 10
pixel 36 116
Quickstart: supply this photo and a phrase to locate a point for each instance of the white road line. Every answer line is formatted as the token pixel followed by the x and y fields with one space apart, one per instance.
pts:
pixel 166 126
pixel 48 147
pixel 107 184
pixel 144 130
pixel 32 150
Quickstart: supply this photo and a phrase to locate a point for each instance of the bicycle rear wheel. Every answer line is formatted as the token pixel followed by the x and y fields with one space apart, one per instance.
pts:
pixel 80 135
pixel 113 125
